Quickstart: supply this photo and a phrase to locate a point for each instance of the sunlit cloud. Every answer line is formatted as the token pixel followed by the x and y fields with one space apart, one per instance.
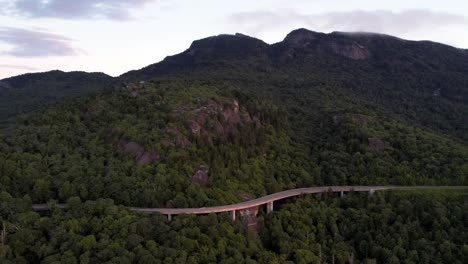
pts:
pixel 30 43
pixel 119 10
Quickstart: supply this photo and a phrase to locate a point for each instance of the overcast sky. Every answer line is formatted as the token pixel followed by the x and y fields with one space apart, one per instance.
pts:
pixel 115 36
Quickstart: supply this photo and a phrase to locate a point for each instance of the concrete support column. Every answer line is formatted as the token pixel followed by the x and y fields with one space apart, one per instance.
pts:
pixel 269 207
pixel 233 215
pixel 371 192
pixel 169 217
pixel 341 194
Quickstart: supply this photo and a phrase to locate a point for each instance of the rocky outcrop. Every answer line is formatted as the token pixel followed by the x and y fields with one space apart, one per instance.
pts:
pixel 147 158
pixel 249 216
pixel 138 152
pixel 303 39
pixel 195 128
pixel 132 149
pixel 353 51
pixel 201 176
pixel 222 117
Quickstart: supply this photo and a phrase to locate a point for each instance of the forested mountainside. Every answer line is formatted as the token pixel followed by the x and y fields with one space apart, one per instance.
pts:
pixel 35 91
pixel 231 119
pixel 423 82
pixel 183 143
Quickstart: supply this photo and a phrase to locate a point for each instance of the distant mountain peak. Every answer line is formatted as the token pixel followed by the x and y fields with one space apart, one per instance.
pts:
pixel 304 39
pixel 223 38
pixel 301 37
pixel 227 44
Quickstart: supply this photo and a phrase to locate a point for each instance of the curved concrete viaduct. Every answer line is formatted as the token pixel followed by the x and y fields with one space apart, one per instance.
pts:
pixel 268 199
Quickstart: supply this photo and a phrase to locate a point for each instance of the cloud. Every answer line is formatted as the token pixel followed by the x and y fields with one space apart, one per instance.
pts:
pixel 29 43
pixel 385 21
pixel 380 21
pixel 19 67
pixel 76 9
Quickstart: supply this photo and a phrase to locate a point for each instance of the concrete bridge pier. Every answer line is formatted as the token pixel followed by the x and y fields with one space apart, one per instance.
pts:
pixel 169 217
pixel 269 207
pixel 233 215
pixel 341 194
pixel 371 192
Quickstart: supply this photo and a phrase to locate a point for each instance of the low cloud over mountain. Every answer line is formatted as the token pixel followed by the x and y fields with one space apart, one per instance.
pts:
pixel 373 21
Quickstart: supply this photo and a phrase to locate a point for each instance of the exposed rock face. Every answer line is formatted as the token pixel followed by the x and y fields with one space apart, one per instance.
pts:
pixel 306 39
pixel 222 117
pixel 231 113
pixel 195 128
pixel 351 50
pixel 138 152
pixel 249 215
pixel 377 144
pixel 249 218
pixel 148 158
pixel 201 176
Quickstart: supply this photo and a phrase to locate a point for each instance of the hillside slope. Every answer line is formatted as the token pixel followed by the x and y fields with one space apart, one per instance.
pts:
pixel 233 113
pixel 422 82
pixel 34 91
pixel 180 143
pixel 231 119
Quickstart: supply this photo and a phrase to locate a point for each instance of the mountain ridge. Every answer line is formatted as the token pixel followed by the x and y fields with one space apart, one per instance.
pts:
pixel 396 76
pixel 231 119
pixel 33 91
pixel 389 73
pixel 245 36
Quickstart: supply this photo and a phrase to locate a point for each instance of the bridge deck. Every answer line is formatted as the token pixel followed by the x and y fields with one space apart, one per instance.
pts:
pixel 267 199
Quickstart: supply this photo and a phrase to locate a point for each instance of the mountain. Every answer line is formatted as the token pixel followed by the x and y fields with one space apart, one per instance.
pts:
pixel 231 119
pixel 205 53
pixel 33 91
pixel 423 82
pixel 314 109
pixel 308 48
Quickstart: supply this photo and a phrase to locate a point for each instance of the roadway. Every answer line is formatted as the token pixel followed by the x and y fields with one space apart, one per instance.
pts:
pixel 269 199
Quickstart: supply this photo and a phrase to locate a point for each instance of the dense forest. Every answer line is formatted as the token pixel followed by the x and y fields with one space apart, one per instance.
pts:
pixel 232 119
pixel 385 228
pixel 144 144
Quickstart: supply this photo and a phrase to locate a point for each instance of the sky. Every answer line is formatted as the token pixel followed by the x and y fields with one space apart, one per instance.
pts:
pixel 115 36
